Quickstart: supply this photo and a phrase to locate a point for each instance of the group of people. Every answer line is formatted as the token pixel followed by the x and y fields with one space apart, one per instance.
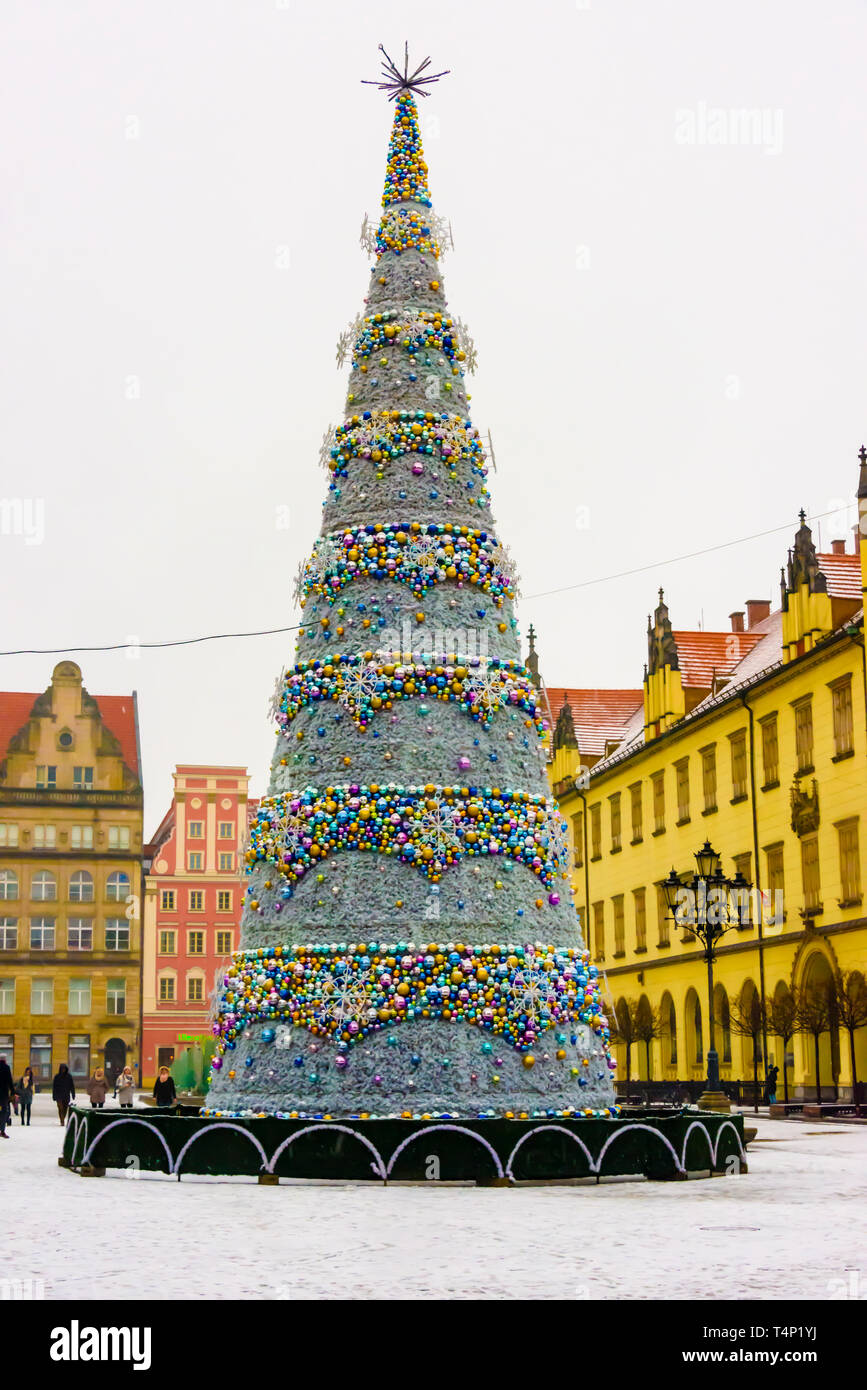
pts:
pixel 14 1095
pixel 18 1095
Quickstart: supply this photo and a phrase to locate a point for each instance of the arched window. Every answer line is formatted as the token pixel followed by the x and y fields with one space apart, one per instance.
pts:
pixel 692 1023
pixel 117 887
pixel 722 1019
pixel 668 1024
pixel 81 887
pixel 44 887
pixel 8 884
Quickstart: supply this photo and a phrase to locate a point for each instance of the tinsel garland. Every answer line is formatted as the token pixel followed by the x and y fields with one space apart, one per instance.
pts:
pixel 346 992
pixel 430 827
pixel 408 553
pixel 365 684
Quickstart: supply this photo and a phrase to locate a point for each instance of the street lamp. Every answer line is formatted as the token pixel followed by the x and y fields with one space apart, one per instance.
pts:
pixel 708 904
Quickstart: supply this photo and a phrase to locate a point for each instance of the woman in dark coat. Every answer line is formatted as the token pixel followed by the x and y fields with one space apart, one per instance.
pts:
pixel 63 1090
pixel 7 1090
pixel 25 1089
pixel 164 1089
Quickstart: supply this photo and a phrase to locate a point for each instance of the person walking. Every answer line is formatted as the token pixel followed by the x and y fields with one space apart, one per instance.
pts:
pixel 97 1089
pixel 63 1091
pixel 7 1091
pixel 164 1089
pixel 25 1089
pixel 771 1083
pixel 124 1088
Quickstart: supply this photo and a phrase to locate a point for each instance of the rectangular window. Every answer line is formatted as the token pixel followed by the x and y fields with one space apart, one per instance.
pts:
pixel 115 997
pixel 195 943
pixel 578 838
pixel 224 943
pixel 770 752
pixel 116 934
pixel 118 837
pixel 637 822
pixel 682 770
pixel 167 900
pixel 850 866
pixel 79 934
pixel 42 933
pixel 224 900
pixel 79 1055
pixel 7 997
pixel 40 1056
pixel 596 831
pixel 810 873
pixel 841 696
pixel 168 943
pixel 8 885
pixel 804 734
pixel 195 829
pixel 227 863
pixel 599 930
pixel 167 989
pixel 194 860
pixel 658 781
pixel 82 778
pixel 8 933
pixel 81 837
pixel 743 865
pixel 614 802
pixel 619 926
pixel 42 996
pixel 227 830
pixel 708 777
pixel 79 996
pixel 662 918
pixel 8 835
pixel 195 989
pixel 44 837
pixel 739 765
pixel 640 905
pixel 197 900
pixel 46 778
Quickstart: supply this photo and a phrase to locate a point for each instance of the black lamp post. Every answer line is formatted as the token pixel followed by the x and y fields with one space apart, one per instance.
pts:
pixel 709 905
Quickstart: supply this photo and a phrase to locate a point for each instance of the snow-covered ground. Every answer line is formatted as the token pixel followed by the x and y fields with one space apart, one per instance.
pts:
pixel 794 1227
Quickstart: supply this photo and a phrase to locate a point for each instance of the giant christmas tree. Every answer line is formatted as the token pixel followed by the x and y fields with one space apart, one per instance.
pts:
pixel 409 942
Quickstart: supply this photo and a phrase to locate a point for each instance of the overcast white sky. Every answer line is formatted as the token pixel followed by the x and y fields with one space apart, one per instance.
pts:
pixel 671 330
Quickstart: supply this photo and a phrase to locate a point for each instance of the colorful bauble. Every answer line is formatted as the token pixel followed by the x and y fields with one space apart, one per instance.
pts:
pixel 381 435
pixel 409 553
pixel 406 170
pixel 430 827
pixel 414 331
pixel 365 684
pixel 344 993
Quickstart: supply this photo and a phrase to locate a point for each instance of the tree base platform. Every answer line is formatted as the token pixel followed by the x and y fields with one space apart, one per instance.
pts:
pixel 668 1147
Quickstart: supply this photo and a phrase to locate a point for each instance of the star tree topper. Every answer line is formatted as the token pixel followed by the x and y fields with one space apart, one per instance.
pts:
pixel 396 81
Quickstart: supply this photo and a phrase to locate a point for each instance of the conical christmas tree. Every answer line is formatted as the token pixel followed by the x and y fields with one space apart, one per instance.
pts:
pixel 409 942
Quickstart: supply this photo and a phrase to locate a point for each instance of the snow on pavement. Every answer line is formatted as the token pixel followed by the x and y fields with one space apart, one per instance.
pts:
pixel 792 1227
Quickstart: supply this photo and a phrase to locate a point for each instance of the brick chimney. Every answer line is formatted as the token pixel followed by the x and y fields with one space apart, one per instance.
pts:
pixel 838 547
pixel 757 610
pixel 737 621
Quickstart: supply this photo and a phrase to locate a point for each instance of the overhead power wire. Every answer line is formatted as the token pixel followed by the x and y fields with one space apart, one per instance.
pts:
pixel 296 627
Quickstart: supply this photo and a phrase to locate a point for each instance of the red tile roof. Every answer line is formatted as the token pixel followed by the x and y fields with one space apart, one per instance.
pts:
pixel 843 573
pixel 117 713
pixel 598 715
pixel 703 655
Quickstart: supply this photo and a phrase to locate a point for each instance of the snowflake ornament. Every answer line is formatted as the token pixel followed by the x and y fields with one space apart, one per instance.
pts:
pixel 555 838
pixel 421 553
pixel 487 688
pixel 532 994
pixel 438 830
pixel 347 997
pixel 359 686
pixel 275 703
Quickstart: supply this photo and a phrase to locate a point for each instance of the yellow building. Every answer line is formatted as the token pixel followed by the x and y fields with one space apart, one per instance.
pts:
pixel 70 874
pixel 755 739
